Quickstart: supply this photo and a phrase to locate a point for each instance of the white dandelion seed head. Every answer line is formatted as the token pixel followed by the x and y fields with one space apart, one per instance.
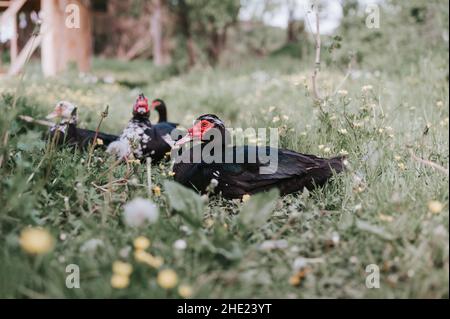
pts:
pixel 140 211
pixel 91 245
pixel 120 148
pixel 180 244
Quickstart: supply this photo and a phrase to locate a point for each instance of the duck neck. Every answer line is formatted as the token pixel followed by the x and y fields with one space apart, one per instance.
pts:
pixel 162 112
pixel 142 118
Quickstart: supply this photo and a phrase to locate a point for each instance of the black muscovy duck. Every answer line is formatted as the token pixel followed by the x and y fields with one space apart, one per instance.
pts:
pixel 140 139
pixel 159 106
pixel 66 132
pixel 245 171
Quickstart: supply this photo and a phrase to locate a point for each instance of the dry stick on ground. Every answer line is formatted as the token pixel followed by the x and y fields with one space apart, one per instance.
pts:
pixel 94 143
pixel 29 119
pixel 429 163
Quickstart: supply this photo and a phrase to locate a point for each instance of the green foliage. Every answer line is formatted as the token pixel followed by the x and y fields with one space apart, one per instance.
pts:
pixel 257 210
pixel 185 201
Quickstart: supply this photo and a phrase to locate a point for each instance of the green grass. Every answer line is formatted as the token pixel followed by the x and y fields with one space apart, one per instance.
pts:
pixel 375 213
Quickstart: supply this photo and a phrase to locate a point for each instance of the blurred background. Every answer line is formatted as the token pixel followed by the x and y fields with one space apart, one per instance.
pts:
pixel 188 33
pixel 176 49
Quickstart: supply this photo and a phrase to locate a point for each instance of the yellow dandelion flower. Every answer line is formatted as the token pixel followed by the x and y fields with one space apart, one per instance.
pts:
pixel 167 278
pixel 99 141
pixel 294 280
pixel 119 281
pixel 157 191
pixel 327 150
pixel 146 258
pixel 401 166
pixel 386 218
pixel 36 241
pixel 122 268
pixel 321 147
pixel 397 157
pixel 185 291
pixel 171 174
pixel 246 198
pixel 209 222
pixel 435 207
pixel 141 243
pixel 135 161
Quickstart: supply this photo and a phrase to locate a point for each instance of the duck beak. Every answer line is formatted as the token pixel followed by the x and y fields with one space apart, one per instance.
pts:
pixel 155 104
pixel 52 115
pixel 184 140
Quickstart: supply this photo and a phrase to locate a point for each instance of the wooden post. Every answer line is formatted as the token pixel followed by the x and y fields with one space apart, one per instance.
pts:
pixel 14 39
pixel 64 42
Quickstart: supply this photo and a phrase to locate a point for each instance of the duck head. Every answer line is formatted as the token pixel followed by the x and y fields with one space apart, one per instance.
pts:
pixel 159 106
pixel 204 127
pixel 64 112
pixel 141 107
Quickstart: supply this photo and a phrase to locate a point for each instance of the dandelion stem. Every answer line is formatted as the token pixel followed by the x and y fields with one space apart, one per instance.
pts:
pixel 149 176
pixel 94 142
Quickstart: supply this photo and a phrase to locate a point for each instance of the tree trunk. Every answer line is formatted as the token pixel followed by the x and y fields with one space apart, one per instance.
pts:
pixel 156 31
pixel 291 33
pixel 185 22
pixel 64 39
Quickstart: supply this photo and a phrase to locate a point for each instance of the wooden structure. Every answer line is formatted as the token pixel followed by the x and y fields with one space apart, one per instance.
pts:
pixel 62 39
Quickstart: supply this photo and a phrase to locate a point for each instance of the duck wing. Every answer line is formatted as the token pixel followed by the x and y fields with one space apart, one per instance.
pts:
pixel 252 172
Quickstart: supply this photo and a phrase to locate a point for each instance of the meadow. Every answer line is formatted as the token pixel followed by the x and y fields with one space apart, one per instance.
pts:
pixel 388 209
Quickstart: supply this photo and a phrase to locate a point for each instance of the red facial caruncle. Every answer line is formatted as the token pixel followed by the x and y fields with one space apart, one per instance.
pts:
pixel 197 131
pixel 141 105
pixel 155 103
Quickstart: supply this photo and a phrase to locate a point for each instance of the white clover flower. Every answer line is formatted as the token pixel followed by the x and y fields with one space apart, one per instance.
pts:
pixel 213 183
pixel 366 88
pixel 343 131
pixel 335 238
pixel 139 211
pixel 342 92
pixel 125 251
pixel 180 244
pixel 91 245
pixel 274 244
